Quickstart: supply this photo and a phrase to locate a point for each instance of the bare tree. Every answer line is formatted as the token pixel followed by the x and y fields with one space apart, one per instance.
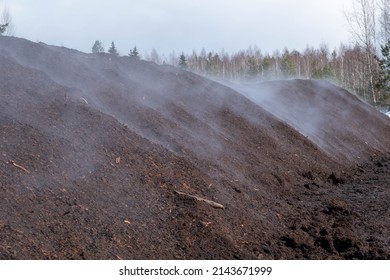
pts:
pixel 362 23
pixel 384 21
pixel 155 57
pixel 347 66
pixel 6 25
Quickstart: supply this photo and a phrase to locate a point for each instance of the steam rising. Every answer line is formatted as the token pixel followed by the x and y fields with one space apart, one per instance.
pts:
pixel 330 117
pixel 188 114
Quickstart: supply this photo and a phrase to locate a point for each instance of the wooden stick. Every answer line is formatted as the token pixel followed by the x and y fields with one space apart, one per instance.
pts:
pixel 210 202
pixel 83 99
pixel 19 166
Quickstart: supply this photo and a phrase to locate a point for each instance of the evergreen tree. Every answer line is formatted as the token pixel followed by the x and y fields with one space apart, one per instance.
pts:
pixel 97 47
pixel 112 50
pixel 322 73
pixel 3 27
pixel 212 64
pixel 134 52
pixel 265 67
pixel 6 26
pixel 183 61
pixel 287 65
pixel 384 70
pixel 253 67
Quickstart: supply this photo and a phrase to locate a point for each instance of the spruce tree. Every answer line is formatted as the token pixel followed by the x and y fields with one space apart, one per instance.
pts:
pixel 6 26
pixel 97 47
pixel 134 52
pixel 183 61
pixel 3 27
pixel 113 50
pixel 384 70
pixel 253 67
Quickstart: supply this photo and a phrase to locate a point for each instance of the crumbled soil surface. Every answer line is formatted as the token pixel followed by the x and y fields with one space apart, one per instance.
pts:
pixel 105 157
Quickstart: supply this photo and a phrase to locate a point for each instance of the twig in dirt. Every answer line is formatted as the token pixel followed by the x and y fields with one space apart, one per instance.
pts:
pixel 154 164
pixel 19 166
pixel 151 160
pixel 83 99
pixel 210 202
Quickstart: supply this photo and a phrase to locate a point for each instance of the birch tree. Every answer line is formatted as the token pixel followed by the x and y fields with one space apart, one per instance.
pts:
pixel 384 21
pixel 362 23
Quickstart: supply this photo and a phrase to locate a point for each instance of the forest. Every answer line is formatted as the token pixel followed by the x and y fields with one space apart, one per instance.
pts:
pixel 363 66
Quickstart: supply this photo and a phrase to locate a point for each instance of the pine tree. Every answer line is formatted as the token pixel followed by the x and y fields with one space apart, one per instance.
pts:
pixel 287 65
pixel 97 47
pixel 3 27
pixel 134 52
pixel 112 50
pixel 212 64
pixel 6 26
pixel 253 67
pixel 384 70
pixel 183 61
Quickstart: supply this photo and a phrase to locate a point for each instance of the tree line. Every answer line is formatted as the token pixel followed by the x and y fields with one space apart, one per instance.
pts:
pixel 345 66
pixel 362 67
pixel 99 48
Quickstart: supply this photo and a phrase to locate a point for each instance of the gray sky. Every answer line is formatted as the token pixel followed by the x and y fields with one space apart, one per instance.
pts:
pixel 186 25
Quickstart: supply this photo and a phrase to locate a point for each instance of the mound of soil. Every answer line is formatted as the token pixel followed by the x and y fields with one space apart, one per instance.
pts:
pixel 105 157
pixel 332 118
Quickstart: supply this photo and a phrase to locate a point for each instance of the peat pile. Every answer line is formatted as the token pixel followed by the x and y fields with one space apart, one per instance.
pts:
pixel 105 157
pixel 333 119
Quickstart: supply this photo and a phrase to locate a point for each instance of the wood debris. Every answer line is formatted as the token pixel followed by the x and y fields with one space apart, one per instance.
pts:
pixel 83 99
pixel 210 202
pixel 18 166
pixel 151 160
pixel 118 160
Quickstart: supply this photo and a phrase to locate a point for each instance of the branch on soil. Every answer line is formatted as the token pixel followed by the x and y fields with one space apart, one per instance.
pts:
pixel 210 202
pixel 18 166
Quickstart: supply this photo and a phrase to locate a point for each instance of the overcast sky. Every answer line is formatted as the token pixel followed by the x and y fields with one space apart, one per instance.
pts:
pixel 182 25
